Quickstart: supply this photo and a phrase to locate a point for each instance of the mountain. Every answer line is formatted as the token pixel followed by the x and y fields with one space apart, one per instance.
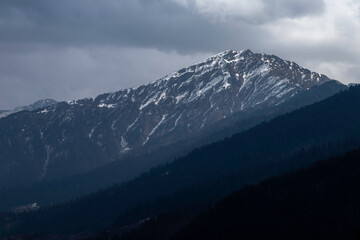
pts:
pixel 286 143
pixel 65 189
pixel 322 202
pixel 77 136
pixel 32 107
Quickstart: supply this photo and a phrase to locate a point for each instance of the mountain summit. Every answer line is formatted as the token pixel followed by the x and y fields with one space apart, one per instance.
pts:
pixel 199 95
pixel 72 137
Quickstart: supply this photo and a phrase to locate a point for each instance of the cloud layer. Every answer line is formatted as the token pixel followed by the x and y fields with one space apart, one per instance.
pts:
pixel 72 49
pixel 255 11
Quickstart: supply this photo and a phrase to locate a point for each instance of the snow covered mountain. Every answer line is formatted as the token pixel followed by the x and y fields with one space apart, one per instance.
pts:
pixel 72 137
pixel 36 105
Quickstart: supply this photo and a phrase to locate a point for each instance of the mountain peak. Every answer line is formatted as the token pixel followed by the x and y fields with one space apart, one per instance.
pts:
pixel 228 82
pixel 231 54
pixel 245 51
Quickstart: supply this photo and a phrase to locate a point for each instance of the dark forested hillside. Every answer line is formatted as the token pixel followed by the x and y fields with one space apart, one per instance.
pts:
pixel 320 203
pixel 286 143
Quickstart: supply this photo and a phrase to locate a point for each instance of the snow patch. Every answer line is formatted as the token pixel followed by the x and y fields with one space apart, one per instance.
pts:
pixel 48 150
pixel 149 101
pixel 132 124
pixel 162 96
pixel 71 102
pixel 180 97
pixel 226 83
pixel 91 133
pixel 155 128
pixel 103 105
pixel 124 144
pixel 176 122
pixel 44 111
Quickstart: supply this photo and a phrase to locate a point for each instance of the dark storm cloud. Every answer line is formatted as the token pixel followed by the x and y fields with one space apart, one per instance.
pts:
pixel 161 24
pixel 127 23
pixel 74 73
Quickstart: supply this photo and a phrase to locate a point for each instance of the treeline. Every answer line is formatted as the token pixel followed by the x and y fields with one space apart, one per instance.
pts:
pixel 172 220
pixel 322 202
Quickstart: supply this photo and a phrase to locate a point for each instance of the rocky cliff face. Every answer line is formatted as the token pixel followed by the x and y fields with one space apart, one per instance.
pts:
pixel 72 137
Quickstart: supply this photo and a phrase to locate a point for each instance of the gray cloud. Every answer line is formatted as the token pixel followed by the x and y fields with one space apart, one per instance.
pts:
pixel 123 23
pixel 161 24
pixel 73 49
pixel 255 11
pixel 73 73
pixel 294 8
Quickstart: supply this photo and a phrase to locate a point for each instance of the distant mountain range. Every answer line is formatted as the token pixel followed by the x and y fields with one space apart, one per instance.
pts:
pixel 228 92
pixel 32 107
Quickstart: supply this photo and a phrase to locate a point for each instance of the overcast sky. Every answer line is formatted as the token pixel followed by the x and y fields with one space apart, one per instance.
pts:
pixel 74 49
